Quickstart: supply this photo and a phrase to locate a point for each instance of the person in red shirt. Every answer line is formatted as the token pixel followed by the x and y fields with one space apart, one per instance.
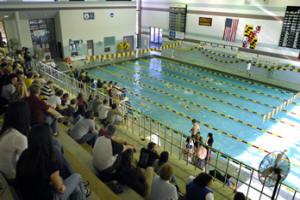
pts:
pixel 40 111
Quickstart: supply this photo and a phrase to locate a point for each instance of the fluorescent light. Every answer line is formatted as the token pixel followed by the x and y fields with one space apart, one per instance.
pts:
pixel 5 16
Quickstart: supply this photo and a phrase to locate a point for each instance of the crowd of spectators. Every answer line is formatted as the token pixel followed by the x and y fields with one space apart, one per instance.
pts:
pixel 32 159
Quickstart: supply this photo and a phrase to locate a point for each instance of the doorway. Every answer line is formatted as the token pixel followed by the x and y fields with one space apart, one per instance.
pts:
pixel 43 36
pixel 155 36
pixel 90 47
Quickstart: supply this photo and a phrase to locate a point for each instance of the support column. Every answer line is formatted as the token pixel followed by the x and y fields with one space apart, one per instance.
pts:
pixel 18 26
pixel 139 22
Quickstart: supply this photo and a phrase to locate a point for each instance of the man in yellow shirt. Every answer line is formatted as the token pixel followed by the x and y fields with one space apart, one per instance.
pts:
pixel 29 80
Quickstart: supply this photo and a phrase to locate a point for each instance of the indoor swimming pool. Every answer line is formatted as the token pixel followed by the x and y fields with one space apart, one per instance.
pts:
pixel 230 107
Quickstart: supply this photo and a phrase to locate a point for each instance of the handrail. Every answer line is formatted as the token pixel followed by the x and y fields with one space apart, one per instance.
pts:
pixel 75 86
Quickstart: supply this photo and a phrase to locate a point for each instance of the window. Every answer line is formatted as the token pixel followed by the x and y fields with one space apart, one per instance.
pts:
pixel 155 35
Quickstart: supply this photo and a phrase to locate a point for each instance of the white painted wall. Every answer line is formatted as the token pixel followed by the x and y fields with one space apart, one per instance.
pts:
pixel 228 2
pixel 268 37
pixel 270 32
pixel 74 27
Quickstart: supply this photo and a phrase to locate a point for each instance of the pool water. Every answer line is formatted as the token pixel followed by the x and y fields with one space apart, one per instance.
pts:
pixel 229 107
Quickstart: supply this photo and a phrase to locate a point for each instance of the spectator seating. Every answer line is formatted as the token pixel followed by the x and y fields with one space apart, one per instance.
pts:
pixel 81 161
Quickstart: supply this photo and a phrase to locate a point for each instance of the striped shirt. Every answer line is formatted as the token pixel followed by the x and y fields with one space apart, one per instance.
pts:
pixel 46 91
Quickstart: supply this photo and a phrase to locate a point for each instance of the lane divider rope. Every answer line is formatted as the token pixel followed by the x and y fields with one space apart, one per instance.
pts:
pixel 205 95
pixel 230 76
pixel 215 89
pixel 223 91
pixel 220 81
pixel 204 124
pixel 197 105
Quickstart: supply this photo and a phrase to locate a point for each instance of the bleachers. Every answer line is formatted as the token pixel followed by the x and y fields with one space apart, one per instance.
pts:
pixel 81 161
pixel 181 169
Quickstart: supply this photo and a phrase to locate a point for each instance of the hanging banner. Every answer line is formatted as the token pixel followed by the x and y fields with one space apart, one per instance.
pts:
pixel 251 36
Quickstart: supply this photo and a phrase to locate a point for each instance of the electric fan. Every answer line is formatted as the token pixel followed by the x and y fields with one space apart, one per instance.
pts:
pixel 273 169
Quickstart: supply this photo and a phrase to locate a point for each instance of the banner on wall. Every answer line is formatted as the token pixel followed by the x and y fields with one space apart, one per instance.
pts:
pixel 230 29
pixel 205 21
pixel 251 36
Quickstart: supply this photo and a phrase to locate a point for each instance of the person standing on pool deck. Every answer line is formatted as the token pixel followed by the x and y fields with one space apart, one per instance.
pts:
pixel 196 128
pixel 209 143
pixel 249 68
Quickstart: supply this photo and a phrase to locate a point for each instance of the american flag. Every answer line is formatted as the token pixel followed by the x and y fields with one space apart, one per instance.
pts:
pixel 230 29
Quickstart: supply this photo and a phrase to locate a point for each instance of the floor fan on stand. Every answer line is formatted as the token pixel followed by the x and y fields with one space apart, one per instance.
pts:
pixel 273 169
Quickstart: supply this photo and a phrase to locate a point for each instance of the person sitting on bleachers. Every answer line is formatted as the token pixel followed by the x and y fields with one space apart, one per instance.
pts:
pixel 13 140
pixel 38 175
pixel 198 188
pixel 163 159
pixel 8 89
pixel 104 108
pixel 137 179
pixel 40 111
pixel 47 90
pixel 55 100
pixel 148 156
pixel 106 151
pixel 65 100
pixel 28 80
pixel 114 116
pixel 81 105
pixel 161 187
pixel 95 104
pixel 84 131
pixel 21 91
pixel 70 111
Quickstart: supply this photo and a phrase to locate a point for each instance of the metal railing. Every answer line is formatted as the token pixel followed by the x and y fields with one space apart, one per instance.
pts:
pixel 143 126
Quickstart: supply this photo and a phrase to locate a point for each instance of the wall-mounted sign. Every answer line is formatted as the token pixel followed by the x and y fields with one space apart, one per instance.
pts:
pixel 205 21
pixel 88 15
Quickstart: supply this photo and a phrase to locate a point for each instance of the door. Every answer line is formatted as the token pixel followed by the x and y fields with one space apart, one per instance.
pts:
pixel 130 40
pixel 90 47
pixel 43 36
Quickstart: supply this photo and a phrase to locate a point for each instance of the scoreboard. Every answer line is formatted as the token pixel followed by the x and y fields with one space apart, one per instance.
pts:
pixel 177 21
pixel 290 34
